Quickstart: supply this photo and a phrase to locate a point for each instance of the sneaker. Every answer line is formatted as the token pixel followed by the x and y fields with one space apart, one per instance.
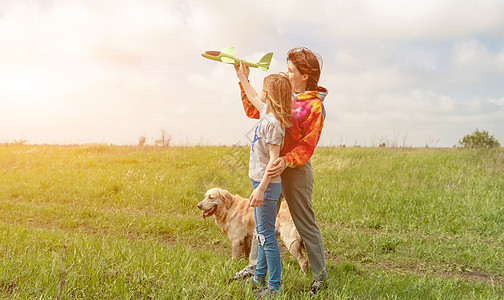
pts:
pixel 257 283
pixel 243 274
pixel 316 286
pixel 266 292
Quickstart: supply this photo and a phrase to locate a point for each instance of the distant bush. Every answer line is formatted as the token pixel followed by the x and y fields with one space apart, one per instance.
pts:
pixel 479 139
pixel 165 139
pixel 20 142
pixel 141 141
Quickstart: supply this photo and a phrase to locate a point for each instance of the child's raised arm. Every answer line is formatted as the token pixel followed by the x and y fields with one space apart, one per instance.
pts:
pixel 247 87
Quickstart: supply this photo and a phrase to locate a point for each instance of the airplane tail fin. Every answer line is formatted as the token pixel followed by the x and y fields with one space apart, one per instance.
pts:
pixel 229 51
pixel 265 61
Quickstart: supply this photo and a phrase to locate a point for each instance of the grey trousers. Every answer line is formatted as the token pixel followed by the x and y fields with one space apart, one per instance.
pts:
pixel 297 188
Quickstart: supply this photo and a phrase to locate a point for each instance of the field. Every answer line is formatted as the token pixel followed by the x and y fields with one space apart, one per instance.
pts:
pixel 109 222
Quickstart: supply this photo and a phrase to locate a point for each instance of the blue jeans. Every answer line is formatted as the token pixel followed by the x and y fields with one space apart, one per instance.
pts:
pixel 268 258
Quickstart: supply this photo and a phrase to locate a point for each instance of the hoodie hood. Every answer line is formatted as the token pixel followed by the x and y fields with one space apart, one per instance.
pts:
pixel 320 94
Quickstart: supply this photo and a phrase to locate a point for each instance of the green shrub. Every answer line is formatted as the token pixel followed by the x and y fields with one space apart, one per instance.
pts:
pixel 479 139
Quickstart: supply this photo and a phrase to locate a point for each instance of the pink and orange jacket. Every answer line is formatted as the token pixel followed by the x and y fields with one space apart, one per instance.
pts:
pixel 308 114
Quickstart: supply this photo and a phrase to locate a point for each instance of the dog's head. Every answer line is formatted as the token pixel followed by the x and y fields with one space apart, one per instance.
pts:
pixel 215 199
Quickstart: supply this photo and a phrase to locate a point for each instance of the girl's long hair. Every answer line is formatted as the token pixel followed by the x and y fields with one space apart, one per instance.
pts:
pixel 279 99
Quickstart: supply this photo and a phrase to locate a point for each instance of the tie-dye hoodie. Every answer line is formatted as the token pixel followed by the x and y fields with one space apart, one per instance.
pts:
pixel 308 114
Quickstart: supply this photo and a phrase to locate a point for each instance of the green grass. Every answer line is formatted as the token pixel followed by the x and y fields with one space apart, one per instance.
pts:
pixel 107 222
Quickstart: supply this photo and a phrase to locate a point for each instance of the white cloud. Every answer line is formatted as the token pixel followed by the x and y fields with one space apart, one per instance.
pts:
pixel 429 20
pixel 473 55
pixel 499 102
pixel 420 59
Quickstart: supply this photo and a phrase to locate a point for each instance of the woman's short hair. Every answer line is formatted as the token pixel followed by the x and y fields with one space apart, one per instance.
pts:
pixel 307 62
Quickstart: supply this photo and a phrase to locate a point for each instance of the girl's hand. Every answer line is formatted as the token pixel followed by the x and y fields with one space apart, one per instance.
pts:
pixel 242 71
pixel 257 197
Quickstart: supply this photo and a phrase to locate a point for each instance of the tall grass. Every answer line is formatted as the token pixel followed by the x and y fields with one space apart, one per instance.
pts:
pixel 111 222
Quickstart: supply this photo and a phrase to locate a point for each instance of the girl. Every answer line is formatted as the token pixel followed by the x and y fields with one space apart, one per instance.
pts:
pixel 274 107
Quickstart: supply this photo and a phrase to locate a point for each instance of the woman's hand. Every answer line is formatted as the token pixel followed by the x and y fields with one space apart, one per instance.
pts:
pixel 257 197
pixel 242 71
pixel 277 168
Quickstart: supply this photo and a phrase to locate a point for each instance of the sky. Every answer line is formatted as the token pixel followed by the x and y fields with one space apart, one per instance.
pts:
pixel 406 73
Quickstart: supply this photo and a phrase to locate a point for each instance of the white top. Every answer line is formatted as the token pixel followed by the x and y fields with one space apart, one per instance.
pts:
pixel 268 131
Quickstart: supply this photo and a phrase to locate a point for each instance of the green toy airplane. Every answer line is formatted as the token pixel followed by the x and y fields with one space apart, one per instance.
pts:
pixel 226 56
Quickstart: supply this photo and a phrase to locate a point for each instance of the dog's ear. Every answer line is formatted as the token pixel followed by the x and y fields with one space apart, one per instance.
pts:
pixel 226 197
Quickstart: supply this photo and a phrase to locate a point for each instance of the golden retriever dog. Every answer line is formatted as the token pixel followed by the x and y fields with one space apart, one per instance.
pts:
pixel 235 217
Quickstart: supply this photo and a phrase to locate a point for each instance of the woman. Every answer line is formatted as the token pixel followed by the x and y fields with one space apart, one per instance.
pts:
pixel 293 165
